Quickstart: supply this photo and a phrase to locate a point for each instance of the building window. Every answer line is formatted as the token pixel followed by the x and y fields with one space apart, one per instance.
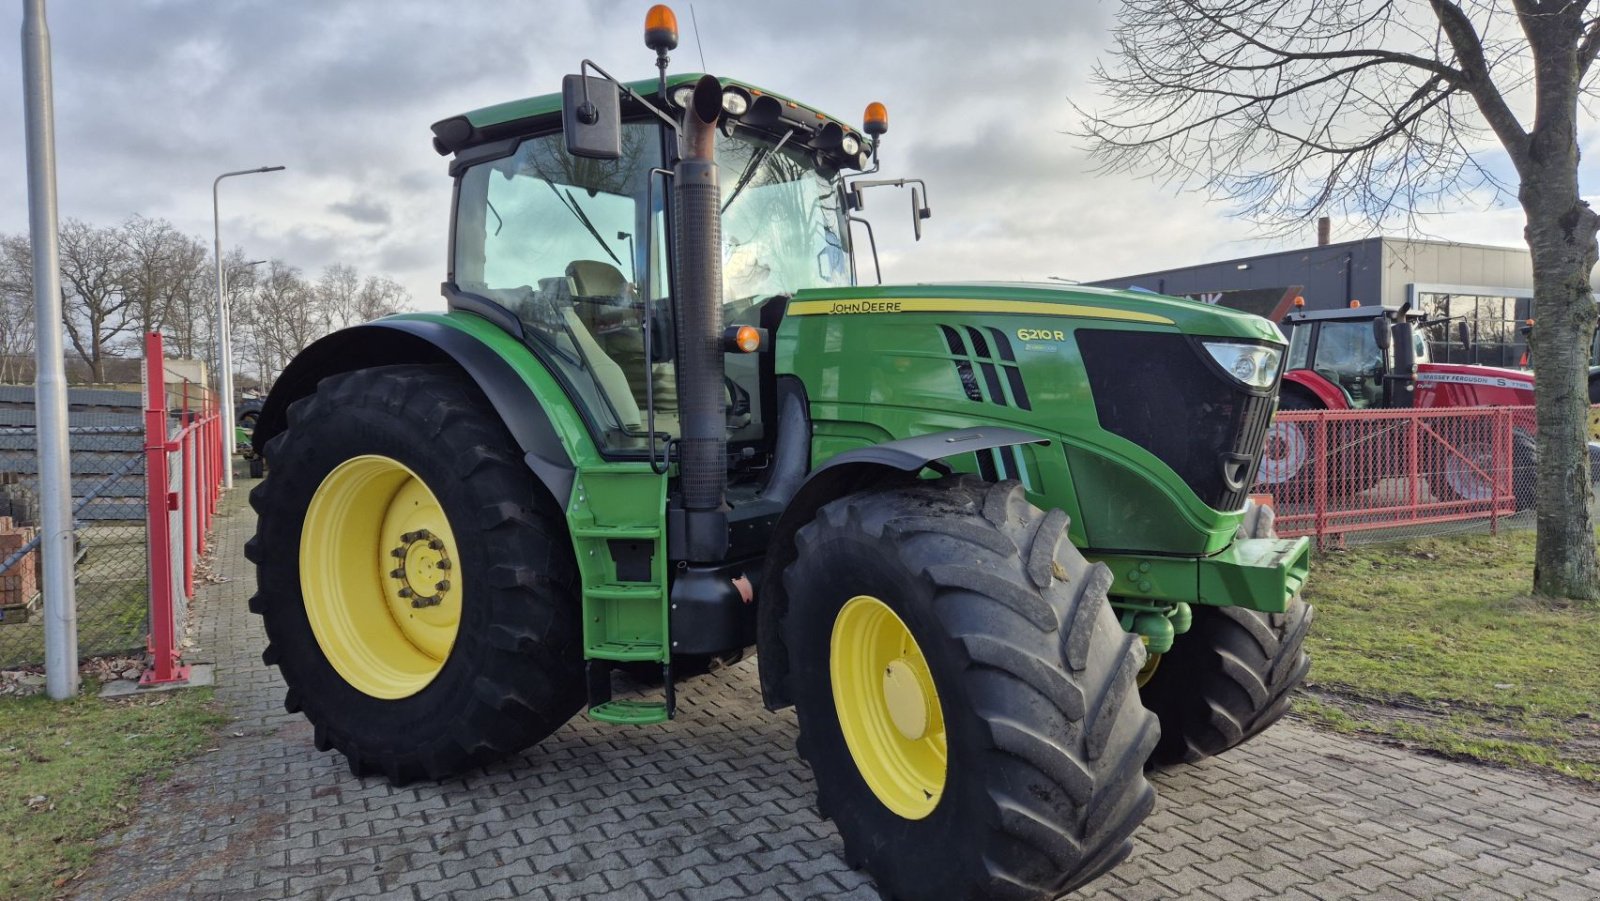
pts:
pixel 1493 328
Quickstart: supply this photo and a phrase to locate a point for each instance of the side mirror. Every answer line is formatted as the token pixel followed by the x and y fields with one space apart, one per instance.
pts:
pixel 1465 334
pixel 591 117
pixel 1405 350
pixel 1380 332
pixel 917 212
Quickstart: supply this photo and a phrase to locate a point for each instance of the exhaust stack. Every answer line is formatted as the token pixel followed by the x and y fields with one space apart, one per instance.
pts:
pixel 697 289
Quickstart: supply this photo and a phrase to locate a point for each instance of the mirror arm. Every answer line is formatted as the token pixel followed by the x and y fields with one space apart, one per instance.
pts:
pixel 630 92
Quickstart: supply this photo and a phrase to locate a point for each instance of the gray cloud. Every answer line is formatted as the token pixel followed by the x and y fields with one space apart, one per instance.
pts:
pixel 364 210
pixel 153 99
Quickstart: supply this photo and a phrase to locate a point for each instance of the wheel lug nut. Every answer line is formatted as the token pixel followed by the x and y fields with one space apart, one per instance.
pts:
pixel 398 552
pixel 398 573
pixel 443 564
pixel 443 585
pixel 406 592
pixel 436 544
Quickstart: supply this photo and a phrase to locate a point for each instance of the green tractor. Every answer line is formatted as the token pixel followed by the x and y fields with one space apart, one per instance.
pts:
pixel 664 422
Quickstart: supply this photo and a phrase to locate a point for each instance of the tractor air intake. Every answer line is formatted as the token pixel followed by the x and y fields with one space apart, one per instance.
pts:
pixel 697 289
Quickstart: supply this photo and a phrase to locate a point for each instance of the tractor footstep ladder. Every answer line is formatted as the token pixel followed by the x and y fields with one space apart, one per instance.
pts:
pixel 622 560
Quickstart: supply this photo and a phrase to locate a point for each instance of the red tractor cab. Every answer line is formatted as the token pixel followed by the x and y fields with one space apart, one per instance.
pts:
pixel 1373 358
pixel 1377 357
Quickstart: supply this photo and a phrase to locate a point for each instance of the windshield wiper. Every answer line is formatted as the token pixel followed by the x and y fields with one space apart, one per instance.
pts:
pixel 571 203
pixel 750 169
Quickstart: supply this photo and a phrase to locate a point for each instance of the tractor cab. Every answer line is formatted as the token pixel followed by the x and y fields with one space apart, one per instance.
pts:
pixel 575 250
pixel 1355 358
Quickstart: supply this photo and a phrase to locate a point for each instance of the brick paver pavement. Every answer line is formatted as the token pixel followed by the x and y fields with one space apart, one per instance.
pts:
pixel 716 805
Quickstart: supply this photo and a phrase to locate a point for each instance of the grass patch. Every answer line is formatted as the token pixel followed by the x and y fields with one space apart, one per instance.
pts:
pixel 85 759
pixel 1436 643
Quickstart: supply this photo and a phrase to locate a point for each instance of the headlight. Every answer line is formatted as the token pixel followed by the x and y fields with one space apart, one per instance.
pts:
pixel 850 145
pixel 681 95
pixel 1253 364
pixel 735 103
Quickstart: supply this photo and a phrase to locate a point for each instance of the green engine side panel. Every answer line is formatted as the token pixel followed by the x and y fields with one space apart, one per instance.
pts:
pixel 612 505
pixel 879 363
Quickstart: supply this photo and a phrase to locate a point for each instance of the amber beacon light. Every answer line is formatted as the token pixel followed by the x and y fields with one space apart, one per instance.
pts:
pixel 661 28
pixel 876 119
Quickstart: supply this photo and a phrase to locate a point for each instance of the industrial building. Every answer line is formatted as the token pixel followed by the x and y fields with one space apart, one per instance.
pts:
pixel 1488 288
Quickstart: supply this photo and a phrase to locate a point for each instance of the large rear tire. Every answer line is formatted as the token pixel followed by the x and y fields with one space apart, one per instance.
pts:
pixel 467 649
pixel 966 698
pixel 1231 675
pixel 1288 454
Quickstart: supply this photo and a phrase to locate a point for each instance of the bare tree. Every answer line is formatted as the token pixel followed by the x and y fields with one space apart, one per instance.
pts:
pixel 163 265
pixel 380 296
pixel 285 316
pixel 16 308
pixel 166 271
pixel 94 265
pixel 337 291
pixel 1381 110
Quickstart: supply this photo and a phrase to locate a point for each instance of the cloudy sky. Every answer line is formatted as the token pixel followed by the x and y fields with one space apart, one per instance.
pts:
pixel 155 98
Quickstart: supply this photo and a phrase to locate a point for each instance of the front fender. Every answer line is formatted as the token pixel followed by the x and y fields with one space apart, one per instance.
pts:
pixel 1319 387
pixel 428 340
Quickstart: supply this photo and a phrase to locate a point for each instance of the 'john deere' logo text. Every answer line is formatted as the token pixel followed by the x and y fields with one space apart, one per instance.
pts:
pixel 866 306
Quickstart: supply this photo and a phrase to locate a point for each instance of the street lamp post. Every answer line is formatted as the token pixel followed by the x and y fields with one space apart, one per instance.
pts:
pixel 224 329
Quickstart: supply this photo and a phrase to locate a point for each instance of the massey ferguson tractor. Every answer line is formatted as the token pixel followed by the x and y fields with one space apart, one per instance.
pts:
pixel 991 541
pixel 1372 358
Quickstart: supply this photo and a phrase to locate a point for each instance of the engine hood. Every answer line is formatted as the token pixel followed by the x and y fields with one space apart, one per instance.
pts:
pixel 1041 300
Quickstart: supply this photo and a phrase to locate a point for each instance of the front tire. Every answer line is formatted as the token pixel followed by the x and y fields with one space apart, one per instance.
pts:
pixel 468 648
pixel 966 698
pixel 1231 675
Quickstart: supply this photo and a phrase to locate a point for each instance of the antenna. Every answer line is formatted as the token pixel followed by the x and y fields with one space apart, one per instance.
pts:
pixel 697 45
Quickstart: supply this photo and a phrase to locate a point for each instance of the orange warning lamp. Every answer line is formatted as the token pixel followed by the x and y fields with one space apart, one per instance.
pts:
pixel 744 339
pixel 661 28
pixel 1299 302
pixel 876 119
pixel 1354 304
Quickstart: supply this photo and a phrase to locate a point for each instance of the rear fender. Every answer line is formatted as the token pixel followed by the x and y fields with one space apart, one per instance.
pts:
pixel 426 341
pixel 868 467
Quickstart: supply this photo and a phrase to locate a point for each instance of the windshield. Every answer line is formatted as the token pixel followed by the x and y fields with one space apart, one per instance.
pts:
pixel 782 220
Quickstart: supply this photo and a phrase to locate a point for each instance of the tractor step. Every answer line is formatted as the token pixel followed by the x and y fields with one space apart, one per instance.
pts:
pixel 630 713
pixel 618 650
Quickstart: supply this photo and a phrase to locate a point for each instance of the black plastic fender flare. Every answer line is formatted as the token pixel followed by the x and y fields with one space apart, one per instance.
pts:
pixel 844 474
pixel 390 341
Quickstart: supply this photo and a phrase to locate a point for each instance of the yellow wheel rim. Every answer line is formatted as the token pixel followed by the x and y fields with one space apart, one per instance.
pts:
pixel 888 707
pixel 1148 671
pixel 380 576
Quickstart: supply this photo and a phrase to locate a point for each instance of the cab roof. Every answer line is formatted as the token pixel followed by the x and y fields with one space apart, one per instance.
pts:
pixel 529 114
pixel 1364 312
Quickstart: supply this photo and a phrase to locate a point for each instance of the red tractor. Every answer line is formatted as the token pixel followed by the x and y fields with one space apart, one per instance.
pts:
pixel 1374 358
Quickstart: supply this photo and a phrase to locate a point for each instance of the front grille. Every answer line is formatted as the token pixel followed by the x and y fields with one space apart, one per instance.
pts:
pixel 1163 393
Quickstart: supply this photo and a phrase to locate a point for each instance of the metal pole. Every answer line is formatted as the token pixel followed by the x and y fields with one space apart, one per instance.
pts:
pixel 50 383
pixel 225 328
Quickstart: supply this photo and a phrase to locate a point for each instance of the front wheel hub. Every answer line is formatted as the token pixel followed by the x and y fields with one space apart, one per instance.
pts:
pixel 888 707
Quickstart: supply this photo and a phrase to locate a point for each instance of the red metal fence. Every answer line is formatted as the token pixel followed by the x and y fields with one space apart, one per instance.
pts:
pixel 184 462
pixel 1388 473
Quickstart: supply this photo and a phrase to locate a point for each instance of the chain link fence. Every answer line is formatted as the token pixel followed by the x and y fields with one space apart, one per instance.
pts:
pixel 1351 477
pixel 106 445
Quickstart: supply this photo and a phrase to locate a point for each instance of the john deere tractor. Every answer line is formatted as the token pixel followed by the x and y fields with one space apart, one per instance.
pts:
pixel 665 420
